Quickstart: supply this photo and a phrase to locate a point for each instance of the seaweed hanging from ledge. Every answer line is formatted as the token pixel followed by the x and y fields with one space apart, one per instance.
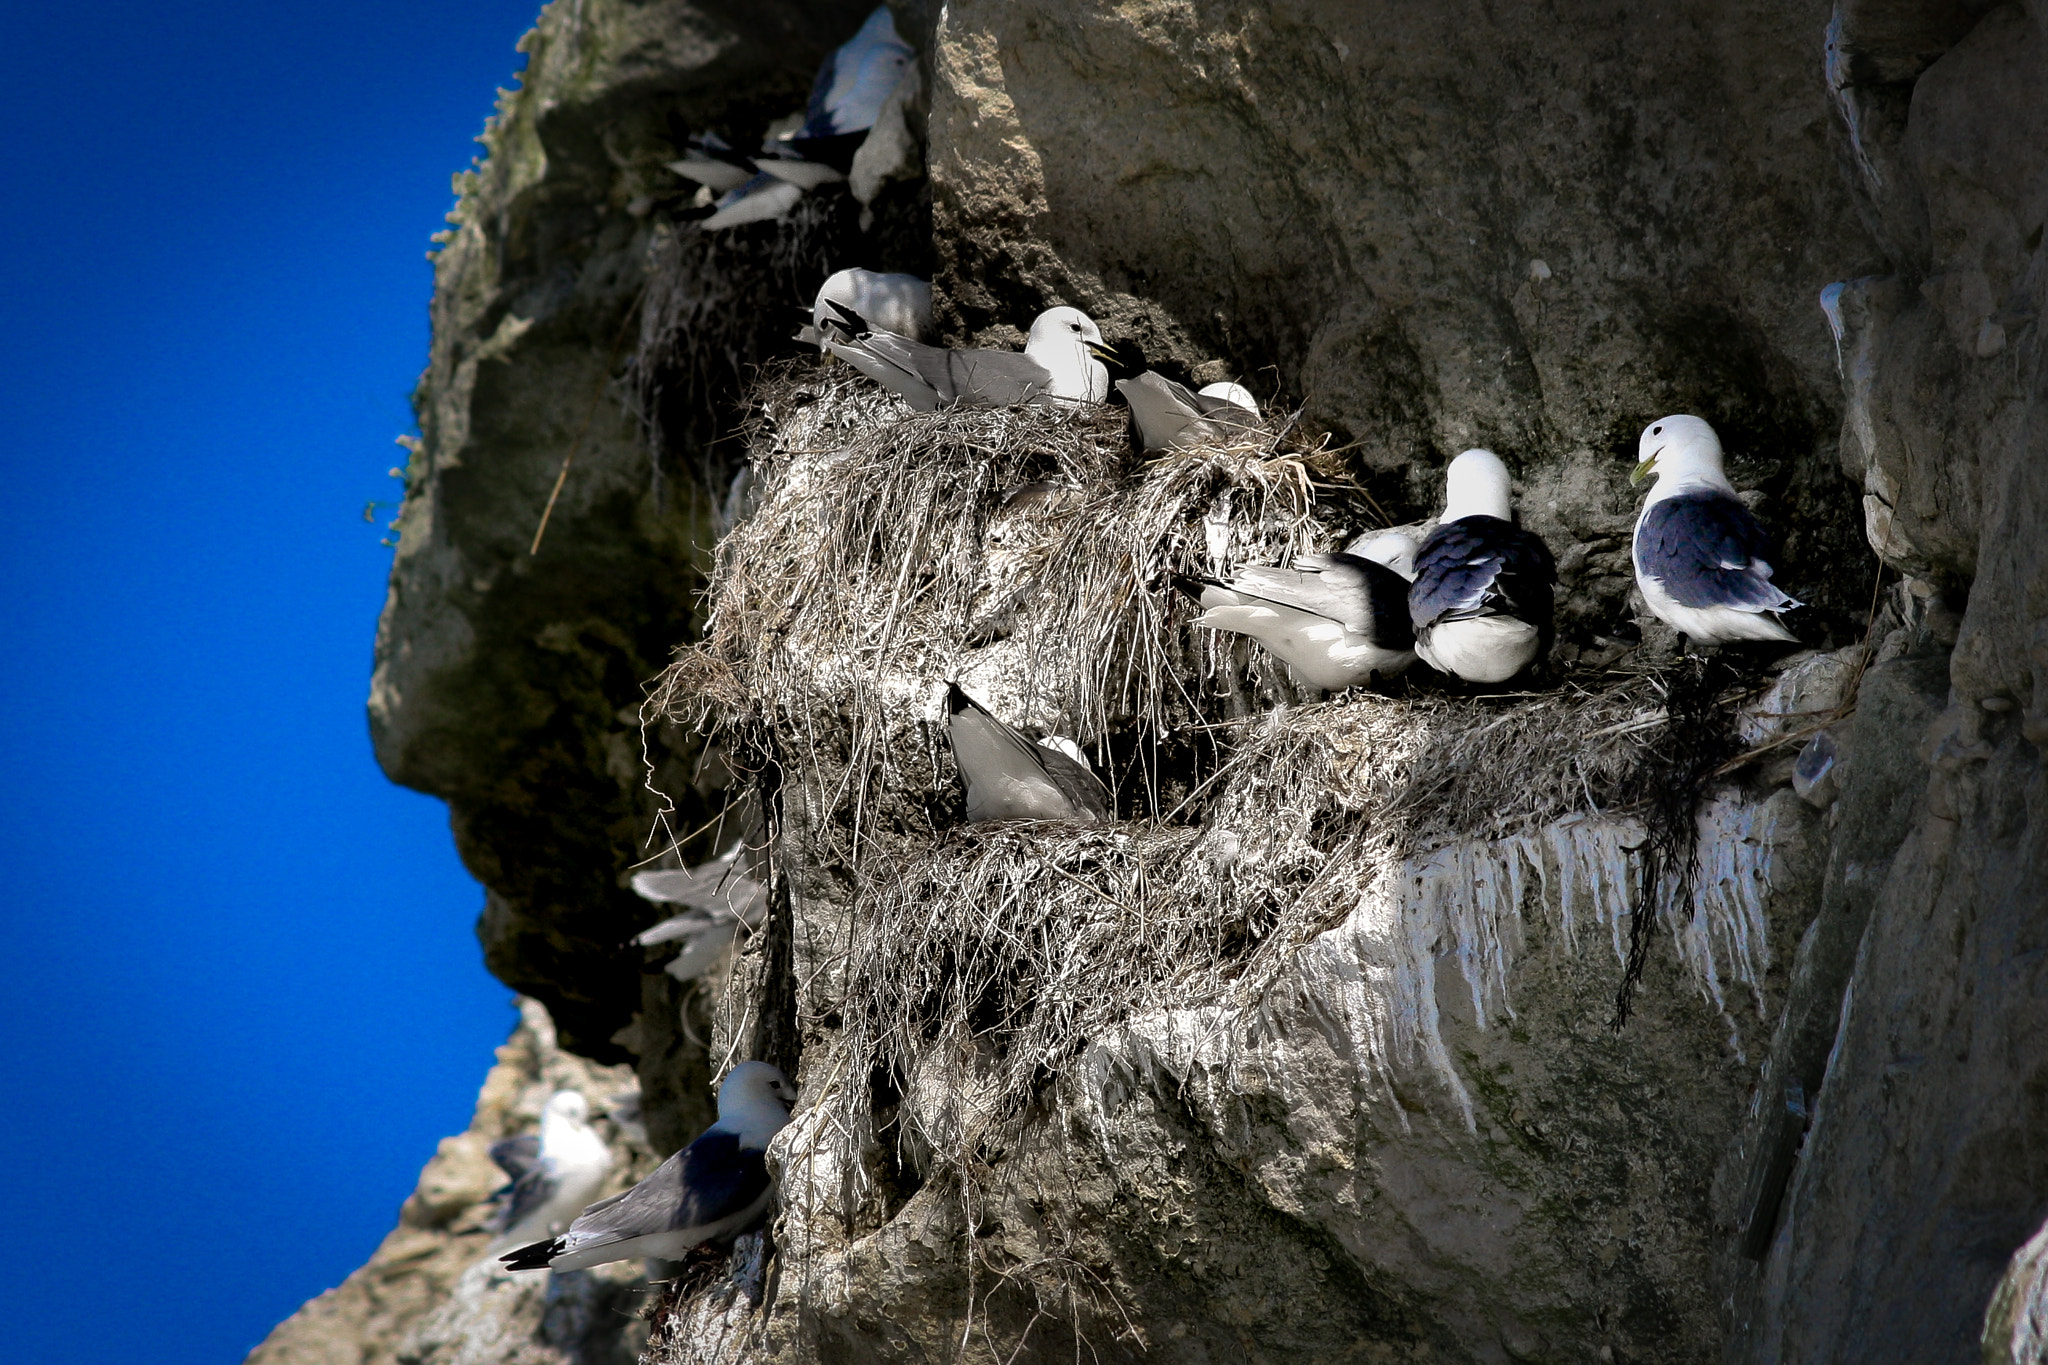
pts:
pixel 1669 787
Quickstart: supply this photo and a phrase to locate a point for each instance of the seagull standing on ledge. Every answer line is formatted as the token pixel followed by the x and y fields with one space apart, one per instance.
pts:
pixel 1337 619
pixel 1055 366
pixel 1010 778
pixel 714 1189
pixel 1702 558
pixel 553 1175
pixel 1481 602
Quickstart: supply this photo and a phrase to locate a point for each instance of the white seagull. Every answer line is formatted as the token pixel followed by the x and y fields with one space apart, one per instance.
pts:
pixel 1481 603
pixel 553 1174
pixel 1702 559
pixel 1010 778
pixel 714 1189
pixel 1055 366
pixel 882 302
pixel 1337 619
pixel 720 898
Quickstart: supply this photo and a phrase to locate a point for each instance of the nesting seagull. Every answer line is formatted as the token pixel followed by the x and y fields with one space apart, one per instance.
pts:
pixel 878 301
pixel 1171 418
pixel 714 1189
pixel 1481 603
pixel 553 1174
pixel 1056 366
pixel 1010 778
pixel 1702 559
pixel 720 898
pixel 1337 619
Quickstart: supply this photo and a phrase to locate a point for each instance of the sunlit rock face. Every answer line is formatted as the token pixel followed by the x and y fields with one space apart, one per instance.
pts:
pixel 1427 227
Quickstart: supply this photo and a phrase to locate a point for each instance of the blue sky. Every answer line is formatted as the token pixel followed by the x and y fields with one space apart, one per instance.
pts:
pixel 245 999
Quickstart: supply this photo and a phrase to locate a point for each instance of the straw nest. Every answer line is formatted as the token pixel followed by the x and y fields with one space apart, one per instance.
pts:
pixel 1030 552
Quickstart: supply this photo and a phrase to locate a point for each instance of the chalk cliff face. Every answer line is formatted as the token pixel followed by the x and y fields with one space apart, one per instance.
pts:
pixel 1821 1138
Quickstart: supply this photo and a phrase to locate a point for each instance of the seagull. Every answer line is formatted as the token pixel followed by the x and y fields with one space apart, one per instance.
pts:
pixel 721 899
pixel 1055 366
pixel 1702 559
pixel 1481 602
pixel 846 99
pixel 553 1174
pixel 1171 418
pixel 714 1189
pixel 850 89
pixel 761 198
pixel 878 301
pixel 1010 778
pixel 712 163
pixel 1337 619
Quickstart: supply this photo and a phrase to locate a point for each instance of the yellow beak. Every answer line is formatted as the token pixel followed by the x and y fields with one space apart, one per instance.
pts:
pixel 1643 471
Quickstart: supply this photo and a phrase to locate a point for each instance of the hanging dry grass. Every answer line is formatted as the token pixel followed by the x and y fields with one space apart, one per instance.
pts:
pixel 886 552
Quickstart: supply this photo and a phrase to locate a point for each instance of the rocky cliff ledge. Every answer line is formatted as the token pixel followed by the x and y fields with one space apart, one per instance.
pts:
pixel 1368 1104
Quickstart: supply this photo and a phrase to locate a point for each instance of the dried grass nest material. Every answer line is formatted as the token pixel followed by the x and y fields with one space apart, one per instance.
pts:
pixel 869 547
pixel 882 550
pixel 1020 943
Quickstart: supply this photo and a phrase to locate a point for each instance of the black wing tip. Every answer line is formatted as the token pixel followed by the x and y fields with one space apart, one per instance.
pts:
pixel 533 1256
pixel 957 700
pixel 846 317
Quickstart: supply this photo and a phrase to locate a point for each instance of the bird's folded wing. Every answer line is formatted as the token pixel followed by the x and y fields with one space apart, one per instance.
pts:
pixel 516 1155
pixel 1077 782
pixel 1480 566
pixel 979 378
pixel 1709 551
pixel 991 379
pixel 1337 594
pixel 713 1178
pixel 534 1187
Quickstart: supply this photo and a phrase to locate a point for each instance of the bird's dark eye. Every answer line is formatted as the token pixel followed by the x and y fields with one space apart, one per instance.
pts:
pixel 1656 431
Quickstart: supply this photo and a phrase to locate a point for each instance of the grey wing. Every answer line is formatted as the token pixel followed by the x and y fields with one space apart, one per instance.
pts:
pixel 650 1206
pixel 1077 782
pixel 1708 550
pixel 532 1189
pixel 1335 591
pixel 516 1155
pixel 886 359
pixel 992 379
pixel 712 1178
